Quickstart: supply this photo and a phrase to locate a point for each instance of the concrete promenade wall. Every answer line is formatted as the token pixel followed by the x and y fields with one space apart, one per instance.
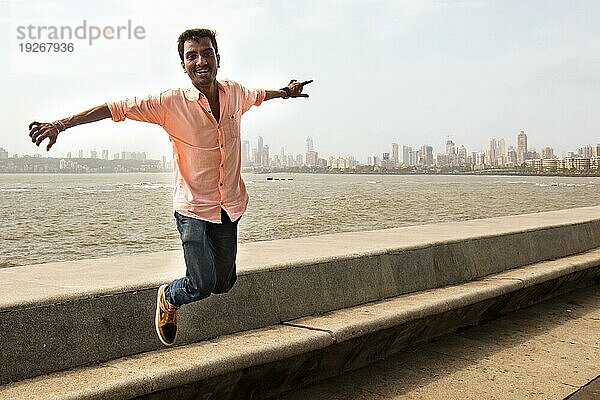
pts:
pixel 59 315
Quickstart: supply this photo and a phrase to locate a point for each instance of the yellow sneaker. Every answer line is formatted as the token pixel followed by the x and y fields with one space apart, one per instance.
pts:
pixel 166 318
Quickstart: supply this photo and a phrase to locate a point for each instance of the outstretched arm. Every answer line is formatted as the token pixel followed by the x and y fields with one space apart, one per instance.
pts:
pixel 293 89
pixel 38 131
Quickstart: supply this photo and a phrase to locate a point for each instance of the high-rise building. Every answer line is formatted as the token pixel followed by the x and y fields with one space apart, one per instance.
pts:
pixel 93 154
pixel 502 147
pixel 351 162
pixel 105 154
pixel 492 152
pixel 462 155
pixel 245 153
pixel 450 147
pixel 68 154
pixel 521 148
pixel 427 155
pixel 395 158
pixel 311 155
pixel 480 158
pixel 451 152
pixel 511 157
pixel 3 154
pixel 311 158
pixel 259 150
pixel 265 156
pixel 80 153
pixel 309 144
pixel 586 151
pixel 415 157
pixel 441 160
pixel 406 152
pixel 385 157
pixel 282 156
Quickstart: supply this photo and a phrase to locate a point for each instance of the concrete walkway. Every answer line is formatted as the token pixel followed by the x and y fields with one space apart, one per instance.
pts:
pixel 548 351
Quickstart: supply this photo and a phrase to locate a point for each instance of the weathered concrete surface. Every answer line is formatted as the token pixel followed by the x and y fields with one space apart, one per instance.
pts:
pixel 128 377
pixel 498 294
pixel 261 363
pixel 69 314
pixel 543 352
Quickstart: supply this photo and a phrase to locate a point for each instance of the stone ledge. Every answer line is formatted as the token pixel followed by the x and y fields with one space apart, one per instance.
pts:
pixel 306 349
pixel 57 282
pixel 361 320
pixel 129 377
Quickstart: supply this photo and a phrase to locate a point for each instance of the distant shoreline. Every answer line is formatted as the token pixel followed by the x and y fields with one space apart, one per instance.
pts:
pixel 329 172
pixel 473 173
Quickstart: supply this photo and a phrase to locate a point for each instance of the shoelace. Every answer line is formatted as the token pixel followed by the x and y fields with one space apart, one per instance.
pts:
pixel 170 312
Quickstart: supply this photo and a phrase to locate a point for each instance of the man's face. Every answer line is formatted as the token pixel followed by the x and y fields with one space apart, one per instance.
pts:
pixel 200 62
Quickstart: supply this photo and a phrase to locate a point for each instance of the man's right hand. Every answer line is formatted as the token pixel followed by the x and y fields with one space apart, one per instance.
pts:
pixel 38 131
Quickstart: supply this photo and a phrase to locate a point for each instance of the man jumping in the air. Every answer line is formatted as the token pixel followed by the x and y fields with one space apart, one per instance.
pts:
pixel 203 123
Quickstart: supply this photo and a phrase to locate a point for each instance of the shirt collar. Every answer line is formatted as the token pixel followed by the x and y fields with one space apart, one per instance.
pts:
pixel 193 94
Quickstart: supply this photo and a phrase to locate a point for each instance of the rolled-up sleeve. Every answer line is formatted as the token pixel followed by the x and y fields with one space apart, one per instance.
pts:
pixel 146 109
pixel 252 97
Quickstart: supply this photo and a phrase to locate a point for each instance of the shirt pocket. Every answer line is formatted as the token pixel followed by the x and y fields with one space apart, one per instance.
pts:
pixel 231 125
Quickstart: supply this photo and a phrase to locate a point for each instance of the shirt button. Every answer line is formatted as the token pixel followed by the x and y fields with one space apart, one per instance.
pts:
pixel 221 146
pixel 221 165
pixel 221 184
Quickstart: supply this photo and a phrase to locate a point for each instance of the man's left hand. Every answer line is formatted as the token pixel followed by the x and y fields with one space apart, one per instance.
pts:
pixel 295 88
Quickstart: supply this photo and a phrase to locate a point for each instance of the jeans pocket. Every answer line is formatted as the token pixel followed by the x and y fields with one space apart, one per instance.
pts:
pixel 181 221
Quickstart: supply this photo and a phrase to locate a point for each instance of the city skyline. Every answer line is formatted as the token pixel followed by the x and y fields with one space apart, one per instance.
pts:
pixel 498 156
pixel 262 151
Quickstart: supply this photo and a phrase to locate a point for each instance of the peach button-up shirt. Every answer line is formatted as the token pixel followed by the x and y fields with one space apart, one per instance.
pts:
pixel 206 152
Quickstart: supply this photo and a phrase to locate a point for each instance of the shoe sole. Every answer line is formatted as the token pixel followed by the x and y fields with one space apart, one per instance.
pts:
pixel 157 317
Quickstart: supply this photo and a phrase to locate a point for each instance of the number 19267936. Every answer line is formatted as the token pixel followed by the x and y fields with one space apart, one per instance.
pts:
pixel 49 47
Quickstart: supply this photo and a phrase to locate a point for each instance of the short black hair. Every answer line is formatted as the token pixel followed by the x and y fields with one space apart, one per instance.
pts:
pixel 196 35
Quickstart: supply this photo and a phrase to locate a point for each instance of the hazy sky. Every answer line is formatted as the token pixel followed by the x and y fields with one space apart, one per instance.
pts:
pixel 411 72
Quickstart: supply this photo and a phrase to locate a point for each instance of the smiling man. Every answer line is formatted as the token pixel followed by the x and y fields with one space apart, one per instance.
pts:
pixel 203 124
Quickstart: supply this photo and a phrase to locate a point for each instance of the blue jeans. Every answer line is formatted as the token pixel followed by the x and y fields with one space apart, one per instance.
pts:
pixel 209 251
